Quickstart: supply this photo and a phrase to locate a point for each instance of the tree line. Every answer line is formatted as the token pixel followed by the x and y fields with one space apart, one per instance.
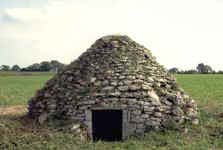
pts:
pixel 55 66
pixel 44 66
pixel 200 69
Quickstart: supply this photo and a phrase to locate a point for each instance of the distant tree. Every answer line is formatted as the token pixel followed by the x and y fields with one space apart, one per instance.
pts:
pixel 45 66
pixel 173 70
pixel 5 68
pixel 16 68
pixel 56 65
pixel 220 72
pixel 209 69
pixel 53 65
pixel 191 71
pixel 202 68
pixel 33 67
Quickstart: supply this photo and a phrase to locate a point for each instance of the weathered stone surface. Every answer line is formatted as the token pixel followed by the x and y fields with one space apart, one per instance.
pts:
pixel 134 87
pixel 114 73
pixel 145 116
pixel 93 79
pixel 158 114
pixel 108 88
pixel 152 123
pixel 42 118
pixel 75 127
pixel 123 88
pixel 114 83
pixel 195 121
pixel 148 108
pixel 116 93
pixel 153 95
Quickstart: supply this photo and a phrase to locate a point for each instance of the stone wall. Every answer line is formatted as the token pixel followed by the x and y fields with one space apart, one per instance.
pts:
pixel 115 72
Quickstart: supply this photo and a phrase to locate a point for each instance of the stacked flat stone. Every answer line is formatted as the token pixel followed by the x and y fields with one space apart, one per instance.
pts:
pixel 115 72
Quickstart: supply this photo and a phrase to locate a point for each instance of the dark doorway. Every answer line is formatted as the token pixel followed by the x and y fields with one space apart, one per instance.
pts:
pixel 107 125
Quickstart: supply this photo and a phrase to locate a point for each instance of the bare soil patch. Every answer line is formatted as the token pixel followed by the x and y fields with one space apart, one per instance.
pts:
pixel 13 110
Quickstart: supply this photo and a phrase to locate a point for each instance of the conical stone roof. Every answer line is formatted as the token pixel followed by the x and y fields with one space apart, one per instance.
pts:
pixel 115 72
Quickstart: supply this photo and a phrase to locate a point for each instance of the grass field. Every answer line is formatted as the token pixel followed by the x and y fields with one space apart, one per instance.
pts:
pixel 17 133
pixel 15 90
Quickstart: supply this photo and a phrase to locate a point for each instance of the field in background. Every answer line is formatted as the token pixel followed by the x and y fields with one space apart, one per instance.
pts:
pixel 18 133
pixel 25 73
pixel 17 88
pixel 207 90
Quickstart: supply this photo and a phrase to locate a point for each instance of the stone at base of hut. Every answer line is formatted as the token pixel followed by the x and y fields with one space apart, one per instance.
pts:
pixel 42 118
pixel 195 121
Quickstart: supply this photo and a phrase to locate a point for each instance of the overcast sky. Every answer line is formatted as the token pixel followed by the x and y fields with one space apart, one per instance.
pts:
pixel 180 33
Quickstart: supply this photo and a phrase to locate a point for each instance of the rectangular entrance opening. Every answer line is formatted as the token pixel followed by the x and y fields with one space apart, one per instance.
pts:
pixel 107 125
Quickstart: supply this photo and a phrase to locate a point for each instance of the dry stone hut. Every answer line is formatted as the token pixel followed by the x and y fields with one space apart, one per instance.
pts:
pixel 115 89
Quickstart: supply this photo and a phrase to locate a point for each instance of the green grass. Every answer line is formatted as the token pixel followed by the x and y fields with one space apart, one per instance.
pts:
pixel 207 90
pixel 25 73
pixel 15 133
pixel 15 90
